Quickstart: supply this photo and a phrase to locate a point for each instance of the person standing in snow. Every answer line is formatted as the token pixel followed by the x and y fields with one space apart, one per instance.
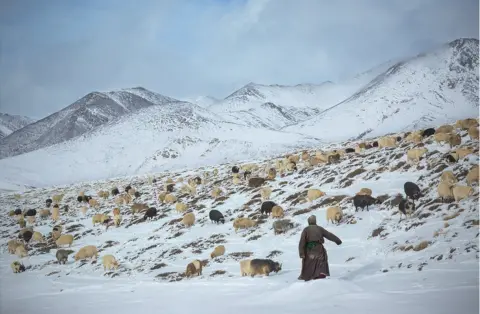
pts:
pixel 313 254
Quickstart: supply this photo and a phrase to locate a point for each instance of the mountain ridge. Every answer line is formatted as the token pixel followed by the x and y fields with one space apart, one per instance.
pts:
pixel 85 114
pixel 436 87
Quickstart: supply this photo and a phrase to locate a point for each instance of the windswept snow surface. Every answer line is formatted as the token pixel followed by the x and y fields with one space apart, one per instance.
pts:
pixel 370 272
pixel 438 291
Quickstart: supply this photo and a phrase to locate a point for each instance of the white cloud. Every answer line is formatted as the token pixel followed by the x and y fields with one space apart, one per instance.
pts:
pixel 54 54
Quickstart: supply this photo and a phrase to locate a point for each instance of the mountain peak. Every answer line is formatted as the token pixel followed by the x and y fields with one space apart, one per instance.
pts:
pixel 14 116
pixel 464 56
pixel 462 42
pixel 140 88
pixel 84 115
pixel 247 91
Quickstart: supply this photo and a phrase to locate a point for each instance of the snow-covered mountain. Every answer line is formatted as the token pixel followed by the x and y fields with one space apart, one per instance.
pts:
pixel 151 139
pixel 11 123
pixel 277 106
pixel 134 130
pixel 432 88
pixel 86 114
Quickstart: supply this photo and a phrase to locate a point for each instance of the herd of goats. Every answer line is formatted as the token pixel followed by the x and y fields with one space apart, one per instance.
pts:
pixel 256 177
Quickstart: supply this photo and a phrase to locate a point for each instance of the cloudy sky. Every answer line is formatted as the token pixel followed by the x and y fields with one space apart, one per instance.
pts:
pixel 56 51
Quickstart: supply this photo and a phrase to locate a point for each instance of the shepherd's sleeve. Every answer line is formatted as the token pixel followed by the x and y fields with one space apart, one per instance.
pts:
pixel 302 243
pixel 330 236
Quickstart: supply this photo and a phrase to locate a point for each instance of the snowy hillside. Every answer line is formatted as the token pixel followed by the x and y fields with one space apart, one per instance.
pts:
pixel 277 106
pixel 10 123
pixel 299 96
pixel 424 264
pixel 270 116
pixel 430 89
pixel 84 115
pixel 152 139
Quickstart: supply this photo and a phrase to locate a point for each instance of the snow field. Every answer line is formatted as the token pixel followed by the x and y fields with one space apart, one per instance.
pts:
pixel 369 273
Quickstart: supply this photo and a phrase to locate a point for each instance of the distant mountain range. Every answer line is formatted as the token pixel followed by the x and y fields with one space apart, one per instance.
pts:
pixel 11 123
pixel 157 132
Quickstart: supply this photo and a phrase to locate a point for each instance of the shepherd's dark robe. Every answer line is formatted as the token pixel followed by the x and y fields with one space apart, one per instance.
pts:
pixel 313 254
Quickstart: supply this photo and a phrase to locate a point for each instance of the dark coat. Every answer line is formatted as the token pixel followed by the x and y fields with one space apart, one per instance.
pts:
pixel 312 252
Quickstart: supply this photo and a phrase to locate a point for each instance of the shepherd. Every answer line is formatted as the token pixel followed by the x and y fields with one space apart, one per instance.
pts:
pixel 313 254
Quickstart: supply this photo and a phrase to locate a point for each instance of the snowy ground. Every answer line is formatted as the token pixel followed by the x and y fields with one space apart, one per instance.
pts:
pixel 440 291
pixel 370 273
